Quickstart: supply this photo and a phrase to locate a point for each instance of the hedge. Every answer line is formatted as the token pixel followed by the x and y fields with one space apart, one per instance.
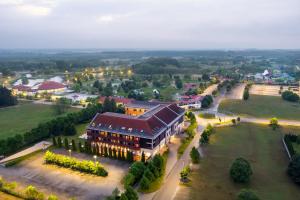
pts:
pixel 289 139
pixel 88 167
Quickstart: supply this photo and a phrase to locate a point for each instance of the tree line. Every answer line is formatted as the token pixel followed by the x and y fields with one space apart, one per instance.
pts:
pixel 64 125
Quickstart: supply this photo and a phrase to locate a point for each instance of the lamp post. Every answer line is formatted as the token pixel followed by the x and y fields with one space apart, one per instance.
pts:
pixel 70 152
pixel 95 158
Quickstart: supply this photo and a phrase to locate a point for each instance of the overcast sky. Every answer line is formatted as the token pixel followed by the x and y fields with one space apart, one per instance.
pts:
pixel 150 24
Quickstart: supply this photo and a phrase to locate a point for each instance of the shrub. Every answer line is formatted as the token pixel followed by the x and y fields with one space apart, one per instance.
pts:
pixel 74 164
pixel 131 194
pixel 294 169
pixel 290 96
pixel 195 156
pixel 129 179
pixel 31 193
pixel 240 171
pixel 149 175
pixel 145 183
pixel 52 197
pixel 274 123
pixel 245 194
pixel 137 170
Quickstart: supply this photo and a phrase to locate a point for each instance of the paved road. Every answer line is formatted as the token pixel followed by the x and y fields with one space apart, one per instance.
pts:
pixel 282 122
pixel 171 183
pixel 34 148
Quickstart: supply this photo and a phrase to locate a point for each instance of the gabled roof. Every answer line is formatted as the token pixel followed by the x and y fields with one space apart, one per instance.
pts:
pixel 50 85
pixel 127 123
pixel 23 88
pixel 149 123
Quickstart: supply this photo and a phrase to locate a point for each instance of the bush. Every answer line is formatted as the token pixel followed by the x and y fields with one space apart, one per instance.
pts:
pixel 31 193
pixel 290 96
pixel 195 156
pixel 245 194
pixel 129 179
pixel 131 194
pixel 137 170
pixel 74 164
pixel 294 169
pixel 145 183
pixel 274 123
pixel 52 197
pixel 240 171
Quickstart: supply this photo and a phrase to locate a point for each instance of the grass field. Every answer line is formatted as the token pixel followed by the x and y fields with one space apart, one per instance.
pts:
pixel 258 144
pixel 262 107
pixel 4 196
pixel 24 117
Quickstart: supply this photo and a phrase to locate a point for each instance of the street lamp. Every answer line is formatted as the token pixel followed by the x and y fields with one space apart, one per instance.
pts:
pixel 95 158
pixel 70 152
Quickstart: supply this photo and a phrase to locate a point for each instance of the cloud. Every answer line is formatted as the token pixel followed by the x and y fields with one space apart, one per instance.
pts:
pixel 163 24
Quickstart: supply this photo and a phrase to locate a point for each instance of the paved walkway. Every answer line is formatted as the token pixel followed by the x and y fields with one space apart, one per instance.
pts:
pixel 36 147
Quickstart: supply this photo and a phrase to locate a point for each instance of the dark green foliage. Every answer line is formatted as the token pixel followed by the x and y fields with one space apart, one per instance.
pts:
pixel 137 169
pixel 153 169
pixel 195 156
pixel 74 148
pixel 66 144
pixel 143 158
pixel 178 82
pixel 294 169
pixel 6 98
pixel 145 183
pixel 246 194
pixel 54 141
pixel 246 92
pixel 207 101
pixel 240 171
pixel 288 139
pixel 131 194
pixel 129 179
pixel 59 142
pixel 81 149
pixel 290 96
pixel 149 174
pixel 55 127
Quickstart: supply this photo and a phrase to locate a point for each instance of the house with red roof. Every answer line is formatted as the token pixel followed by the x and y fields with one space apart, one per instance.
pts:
pixel 147 132
pixel 22 90
pixel 51 87
pixel 190 101
pixel 118 100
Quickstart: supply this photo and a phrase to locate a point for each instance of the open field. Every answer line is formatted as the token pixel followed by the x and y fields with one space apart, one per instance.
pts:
pixel 270 90
pixel 23 117
pixel 261 146
pixel 262 107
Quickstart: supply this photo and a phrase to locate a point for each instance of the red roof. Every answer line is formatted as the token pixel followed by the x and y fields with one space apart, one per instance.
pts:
pixel 124 122
pixel 51 85
pixel 121 100
pixel 22 88
pixel 149 123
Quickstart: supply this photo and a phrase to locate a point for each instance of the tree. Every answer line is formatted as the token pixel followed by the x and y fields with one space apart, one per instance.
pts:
pixel 59 142
pixel 246 94
pixel 207 101
pixel 204 138
pixel 70 129
pixel 145 183
pixel 66 143
pixel 54 141
pixel 137 169
pixel 6 98
pixel 143 159
pixel 81 150
pixel 245 194
pixel 240 171
pixel 290 96
pixel 61 105
pixel 129 179
pixel 195 156
pixel 74 145
pixel 294 169
pixel 149 174
pixel 178 83
pixel 131 194
pixel 274 123
pixel 25 80
pixel 233 121
pixel 123 197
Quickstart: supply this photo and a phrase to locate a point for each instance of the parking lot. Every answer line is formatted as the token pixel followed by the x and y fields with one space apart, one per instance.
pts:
pixel 66 183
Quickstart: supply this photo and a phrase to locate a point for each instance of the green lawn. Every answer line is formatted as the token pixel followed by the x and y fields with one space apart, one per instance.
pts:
pixel 262 107
pixel 23 117
pixel 261 146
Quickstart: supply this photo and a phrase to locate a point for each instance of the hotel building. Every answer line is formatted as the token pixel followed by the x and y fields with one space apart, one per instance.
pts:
pixel 145 127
